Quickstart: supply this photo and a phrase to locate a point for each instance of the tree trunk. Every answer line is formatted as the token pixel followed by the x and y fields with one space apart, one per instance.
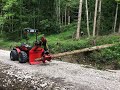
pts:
pixel 9 25
pixel 12 24
pixel 38 17
pixel 95 17
pixel 116 17
pixel 62 19
pixel 99 18
pixel 119 28
pixel 65 15
pixel 59 13
pixel 21 2
pixel 88 31
pixel 79 20
pixel 69 19
pixel 2 29
pixel 68 16
pixel 78 51
pixel 34 16
pixel 2 21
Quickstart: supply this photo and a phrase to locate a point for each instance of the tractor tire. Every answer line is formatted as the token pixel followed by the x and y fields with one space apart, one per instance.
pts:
pixel 23 57
pixel 14 55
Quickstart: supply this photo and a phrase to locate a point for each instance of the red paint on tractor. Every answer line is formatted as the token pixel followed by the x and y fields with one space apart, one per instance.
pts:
pixel 35 52
pixel 18 50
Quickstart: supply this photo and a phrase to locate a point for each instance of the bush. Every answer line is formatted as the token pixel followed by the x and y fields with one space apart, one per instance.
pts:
pixel 12 36
pixel 109 55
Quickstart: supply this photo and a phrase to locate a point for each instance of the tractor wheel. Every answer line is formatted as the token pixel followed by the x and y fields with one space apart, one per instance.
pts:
pixel 23 57
pixel 13 55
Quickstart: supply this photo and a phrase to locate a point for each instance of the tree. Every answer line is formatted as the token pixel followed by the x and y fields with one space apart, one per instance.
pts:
pixel 1 17
pixel 88 31
pixel 99 17
pixel 95 17
pixel 79 20
pixel 116 17
pixel 119 28
pixel 58 11
pixel 18 14
pixel 118 2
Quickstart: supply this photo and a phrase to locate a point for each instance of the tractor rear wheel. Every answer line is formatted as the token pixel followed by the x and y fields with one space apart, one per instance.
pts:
pixel 23 57
pixel 13 55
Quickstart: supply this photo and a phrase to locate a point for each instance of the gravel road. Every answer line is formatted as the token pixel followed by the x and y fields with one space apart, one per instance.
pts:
pixel 55 75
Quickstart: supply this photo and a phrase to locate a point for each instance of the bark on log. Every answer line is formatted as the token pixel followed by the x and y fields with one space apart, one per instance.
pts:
pixel 81 50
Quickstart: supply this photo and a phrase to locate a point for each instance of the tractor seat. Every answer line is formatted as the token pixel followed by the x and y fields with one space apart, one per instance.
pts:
pixel 28 47
pixel 25 47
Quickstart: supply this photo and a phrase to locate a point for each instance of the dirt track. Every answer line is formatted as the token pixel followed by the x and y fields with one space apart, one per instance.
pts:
pixel 54 76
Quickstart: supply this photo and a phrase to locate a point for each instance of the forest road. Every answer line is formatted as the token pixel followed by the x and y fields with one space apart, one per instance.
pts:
pixel 55 75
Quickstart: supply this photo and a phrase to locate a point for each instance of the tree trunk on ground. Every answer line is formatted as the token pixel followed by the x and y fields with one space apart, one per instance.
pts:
pixel 99 18
pixel 88 31
pixel 95 17
pixel 79 20
pixel 116 17
pixel 82 50
pixel 79 51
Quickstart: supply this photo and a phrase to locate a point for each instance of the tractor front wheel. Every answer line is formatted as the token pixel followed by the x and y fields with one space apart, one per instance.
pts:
pixel 13 55
pixel 23 57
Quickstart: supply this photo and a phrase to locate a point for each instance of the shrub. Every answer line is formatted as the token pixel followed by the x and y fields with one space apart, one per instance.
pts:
pixel 109 55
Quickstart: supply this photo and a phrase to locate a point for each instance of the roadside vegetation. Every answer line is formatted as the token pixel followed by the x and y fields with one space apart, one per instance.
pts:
pixel 67 24
pixel 63 42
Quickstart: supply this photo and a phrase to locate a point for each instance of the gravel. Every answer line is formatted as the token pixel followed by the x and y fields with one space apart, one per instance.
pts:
pixel 56 75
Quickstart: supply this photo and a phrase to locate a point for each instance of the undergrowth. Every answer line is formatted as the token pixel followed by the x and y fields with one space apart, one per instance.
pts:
pixel 64 42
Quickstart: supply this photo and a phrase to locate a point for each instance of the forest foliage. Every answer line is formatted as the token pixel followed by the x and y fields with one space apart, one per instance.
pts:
pixel 52 16
pixel 58 19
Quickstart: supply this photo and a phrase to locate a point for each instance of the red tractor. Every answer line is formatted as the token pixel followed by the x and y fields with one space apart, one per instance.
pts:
pixel 26 53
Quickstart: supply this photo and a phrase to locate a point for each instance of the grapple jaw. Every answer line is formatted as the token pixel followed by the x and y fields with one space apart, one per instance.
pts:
pixel 38 53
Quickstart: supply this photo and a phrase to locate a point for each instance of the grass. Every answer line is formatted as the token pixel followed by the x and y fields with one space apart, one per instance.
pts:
pixel 64 41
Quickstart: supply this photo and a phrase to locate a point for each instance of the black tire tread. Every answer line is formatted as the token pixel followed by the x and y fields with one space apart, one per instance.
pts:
pixel 14 54
pixel 23 57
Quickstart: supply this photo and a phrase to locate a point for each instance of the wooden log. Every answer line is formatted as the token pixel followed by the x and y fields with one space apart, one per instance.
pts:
pixel 81 50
